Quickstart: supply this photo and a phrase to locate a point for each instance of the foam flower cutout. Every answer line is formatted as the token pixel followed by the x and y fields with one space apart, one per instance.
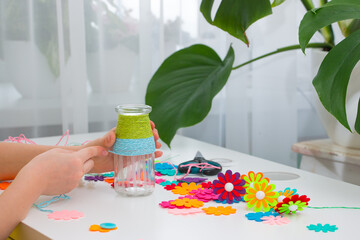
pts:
pixel 185 188
pixel 278 220
pixel 287 192
pixel 94 178
pixel 205 195
pixel 252 178
pixel 293 204
pixel 217 211
pixel 159 180
pixel 109 180
pixel 169 172
pixel 207 185
pixel 4 185
pixel 258 215
pixel 225 201
pixel 229 186
pixel 261 196
pixel 319 227
pixel 65 215
pixel 166 169
pixel 188 203
pixel 188 196
pixel 168 183
pixel 164 166
pixel 97 228
pixel 185 211
pixel 171 186
pixel 167 204
pixel 109 174
pixel 195 180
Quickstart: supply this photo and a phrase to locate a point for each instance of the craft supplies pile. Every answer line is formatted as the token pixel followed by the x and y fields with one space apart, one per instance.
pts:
pixel 270 206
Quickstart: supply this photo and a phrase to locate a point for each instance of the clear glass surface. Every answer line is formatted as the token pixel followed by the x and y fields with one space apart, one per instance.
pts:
pixel 134 175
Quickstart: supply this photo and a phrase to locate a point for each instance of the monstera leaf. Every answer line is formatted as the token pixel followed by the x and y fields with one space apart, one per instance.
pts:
pixel 182 89
pixel 332 80
pixel 235 16
pixel 332 12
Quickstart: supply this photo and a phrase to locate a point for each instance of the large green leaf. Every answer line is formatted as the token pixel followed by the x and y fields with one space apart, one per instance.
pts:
pixel 277 3
pixel 334 11
pixel 182 89
pixel 235 16
pixel 332 80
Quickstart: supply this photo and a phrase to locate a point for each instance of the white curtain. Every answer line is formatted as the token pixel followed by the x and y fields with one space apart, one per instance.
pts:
pixel 65 64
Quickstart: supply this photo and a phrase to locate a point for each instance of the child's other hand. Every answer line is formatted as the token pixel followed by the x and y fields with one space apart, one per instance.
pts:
pixel 58 171
pixel 156 137
pixel 106 163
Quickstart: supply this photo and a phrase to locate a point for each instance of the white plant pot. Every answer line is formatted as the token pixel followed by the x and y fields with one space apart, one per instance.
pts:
pixel 337 132
pixel 112 71
pixel 29 71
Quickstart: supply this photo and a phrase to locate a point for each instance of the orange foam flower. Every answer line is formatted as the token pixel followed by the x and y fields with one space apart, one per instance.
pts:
pixel 252 178
pixel 185 188
pixel 97 228
pixel 217 211
pixel 186 202
pixel 261 196
pixel 109 180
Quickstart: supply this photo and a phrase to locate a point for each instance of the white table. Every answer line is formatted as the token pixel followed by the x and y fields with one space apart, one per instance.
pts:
pixel 142 217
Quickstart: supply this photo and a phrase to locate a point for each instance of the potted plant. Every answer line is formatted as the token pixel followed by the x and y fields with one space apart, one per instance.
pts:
pixel 182 89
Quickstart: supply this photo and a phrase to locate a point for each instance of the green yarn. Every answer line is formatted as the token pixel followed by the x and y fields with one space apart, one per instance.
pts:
pixel 133 127
pixel 334 207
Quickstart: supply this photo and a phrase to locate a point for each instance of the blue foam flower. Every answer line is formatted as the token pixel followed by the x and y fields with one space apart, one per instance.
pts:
pixel 258 215
pixel 163 166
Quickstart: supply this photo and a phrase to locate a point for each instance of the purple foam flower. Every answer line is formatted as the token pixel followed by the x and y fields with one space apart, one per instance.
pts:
pixel 94 178
pixel 195 180
pixel 229 186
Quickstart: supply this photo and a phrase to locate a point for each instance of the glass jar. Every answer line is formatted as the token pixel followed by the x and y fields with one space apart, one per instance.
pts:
pixel 134 151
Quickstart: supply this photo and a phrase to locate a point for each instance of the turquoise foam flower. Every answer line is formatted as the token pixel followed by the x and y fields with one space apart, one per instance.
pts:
pixel 324 228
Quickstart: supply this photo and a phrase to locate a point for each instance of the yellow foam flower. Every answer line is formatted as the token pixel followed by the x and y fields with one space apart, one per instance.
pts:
pixel 217 211
pixel 261 196
pixel 186 202
pixel 185 188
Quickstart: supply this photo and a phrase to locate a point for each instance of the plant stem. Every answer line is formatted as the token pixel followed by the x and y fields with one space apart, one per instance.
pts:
pixel 326 32
pixel 285 49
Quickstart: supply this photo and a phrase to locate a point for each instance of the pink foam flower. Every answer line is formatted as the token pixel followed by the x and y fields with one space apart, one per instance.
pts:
pixel 272 220
pixel 65 215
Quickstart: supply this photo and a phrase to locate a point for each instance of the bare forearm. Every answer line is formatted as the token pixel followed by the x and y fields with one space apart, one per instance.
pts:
pixel 17 200
pixel 14 156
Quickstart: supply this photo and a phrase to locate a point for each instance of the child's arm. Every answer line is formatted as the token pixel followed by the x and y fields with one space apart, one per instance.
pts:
pixel 14 156
pixel 54 172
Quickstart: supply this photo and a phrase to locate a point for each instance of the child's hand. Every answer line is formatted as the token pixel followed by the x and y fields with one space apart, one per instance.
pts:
pixel 106 164
pixel 58 171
